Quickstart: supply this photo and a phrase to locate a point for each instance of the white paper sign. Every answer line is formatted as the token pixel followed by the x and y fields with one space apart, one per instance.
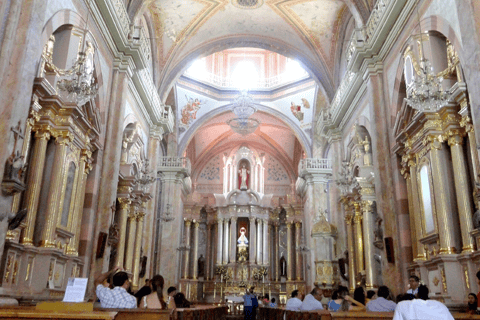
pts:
pixel 76 288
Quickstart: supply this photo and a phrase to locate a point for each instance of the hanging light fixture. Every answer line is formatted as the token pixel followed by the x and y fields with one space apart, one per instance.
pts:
pixel 243 108
pixel 424 87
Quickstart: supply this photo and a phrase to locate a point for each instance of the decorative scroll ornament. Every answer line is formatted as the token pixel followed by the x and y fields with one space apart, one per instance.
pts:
pixel 243 108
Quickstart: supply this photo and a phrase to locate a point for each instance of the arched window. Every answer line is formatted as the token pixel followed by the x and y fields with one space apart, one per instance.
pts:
pixel 426 195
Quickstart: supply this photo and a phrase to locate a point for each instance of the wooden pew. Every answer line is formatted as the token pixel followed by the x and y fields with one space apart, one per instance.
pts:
pixel 202 312
pixel 144 314
pixel 31 313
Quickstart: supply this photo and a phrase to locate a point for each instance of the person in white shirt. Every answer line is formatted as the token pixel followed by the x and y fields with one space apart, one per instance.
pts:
pixel 312 300
pixel 422 308
pixel 413 282
pixel 295 302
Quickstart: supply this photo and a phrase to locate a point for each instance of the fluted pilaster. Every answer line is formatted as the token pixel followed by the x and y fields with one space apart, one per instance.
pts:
pixel 124 210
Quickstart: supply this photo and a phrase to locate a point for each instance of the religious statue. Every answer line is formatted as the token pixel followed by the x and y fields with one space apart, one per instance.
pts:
pixel 201 266
pixel 283 266
pixel 242 245
pixel 243 175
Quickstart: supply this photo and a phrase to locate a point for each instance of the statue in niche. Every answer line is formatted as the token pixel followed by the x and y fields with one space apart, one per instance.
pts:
pixel 243 177
pixel 283 266
pixel 201 266
pixel 242 245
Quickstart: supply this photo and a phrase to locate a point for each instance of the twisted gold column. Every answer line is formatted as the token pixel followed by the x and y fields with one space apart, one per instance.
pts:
pixel 196 226
pixel 368 241
pixel 35 175
pixel 446 232
pixel 186 272
pixel 132 233
pixel 357 220
pixel 55 191
pixel 289 251
pixel 298 254
pixel 417 216
pixel 122 227
pixel 84 169
pixel 351 251
pixel 138 246
pixel 465 209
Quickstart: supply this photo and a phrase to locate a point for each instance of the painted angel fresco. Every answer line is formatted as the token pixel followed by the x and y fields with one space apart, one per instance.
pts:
pixel 189 111
pixel 296 111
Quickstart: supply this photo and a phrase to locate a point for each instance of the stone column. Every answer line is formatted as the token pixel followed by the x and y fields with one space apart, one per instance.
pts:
pixel 35 175
pixel 138 246
pixel 186 266
pixel 298 254
pixel 209 253
pixel 132 234
pixel 84 169
pixel 226 242
pixel 122 227
pixel 276 240
pixel 351 251
pixel 219 241
pixel 443 206
pixel 465 209
pixel 466 123
pixel 368 241
pixel 62 139
pixel 358 236
pixel 195 249
pixel 259 242
pixel 417 216
pixel 233 240
pixel 265 242
pixel 253 235
pixel 289 252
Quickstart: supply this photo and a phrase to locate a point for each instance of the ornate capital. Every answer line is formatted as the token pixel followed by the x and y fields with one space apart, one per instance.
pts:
pixel 289 225
pixel 455 137
pixel 188 223
pixel 62 137
pixel 357 218
pixel 140 216
pixel 434 142
pixel 132 216
pixel 233 219
pixel 42 135
pixel 348 219
pixel 252 220
pixel 367 205
pixel 466 123
pixel 298 224
pixel 220 220
pixel 196 224
pixel 124 203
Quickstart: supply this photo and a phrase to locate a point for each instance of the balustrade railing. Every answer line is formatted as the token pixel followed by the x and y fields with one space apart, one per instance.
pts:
pixel 175 162
pixel 314 163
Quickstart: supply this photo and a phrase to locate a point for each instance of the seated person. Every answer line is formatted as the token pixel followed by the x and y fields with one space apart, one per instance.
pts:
pixel 181 301
pixel 472 303
pixel 272 303
pixel 422 308
pixel 155 300
pixel 145 290
pixel 381 304
pixel 414 283
pixel 172 291
pixel 312 300
pixel 344 302
pixel 295 302
pixel 118 297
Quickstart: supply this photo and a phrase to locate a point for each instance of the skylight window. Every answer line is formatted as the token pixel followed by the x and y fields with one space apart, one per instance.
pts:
pixel 245 75
pixel 198 69
pixel 293 70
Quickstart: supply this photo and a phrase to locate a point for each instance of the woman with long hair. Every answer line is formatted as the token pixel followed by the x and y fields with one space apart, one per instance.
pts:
pixel 472 303
pixel 344 302
pixel 155 300
pixel 359 295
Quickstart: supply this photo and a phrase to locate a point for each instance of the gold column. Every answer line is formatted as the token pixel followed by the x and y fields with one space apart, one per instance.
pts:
pixel 132 233
pixel 351 252
pixel 298 256
pixel 138 245
pixel 188 223
pixel 417 216
pixel 446 230
pixel 84 167
pixel 368 241
pixel 277 258
pixel 289 252
pixel 357 220
pixel 62 139
pixel 35 175
pixel 122 227
pixel 196 226
pixel 461 182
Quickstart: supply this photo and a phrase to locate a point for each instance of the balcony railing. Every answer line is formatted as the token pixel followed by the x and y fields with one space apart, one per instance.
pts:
pixel 314 165
pixel 175 164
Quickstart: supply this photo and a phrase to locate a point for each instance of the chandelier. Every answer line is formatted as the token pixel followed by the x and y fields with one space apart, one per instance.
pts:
pixel 425 92
pixel 243 108
pixel 78 84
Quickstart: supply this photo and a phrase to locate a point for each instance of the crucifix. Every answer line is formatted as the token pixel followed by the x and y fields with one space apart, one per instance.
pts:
pixel 17 132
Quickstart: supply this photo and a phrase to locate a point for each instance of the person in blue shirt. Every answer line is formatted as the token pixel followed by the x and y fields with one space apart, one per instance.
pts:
pixel 250 303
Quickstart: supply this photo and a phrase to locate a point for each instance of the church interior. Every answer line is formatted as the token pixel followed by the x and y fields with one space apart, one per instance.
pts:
pixel 225 144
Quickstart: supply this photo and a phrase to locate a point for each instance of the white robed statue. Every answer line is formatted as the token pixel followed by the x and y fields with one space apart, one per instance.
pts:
pixel 242 245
